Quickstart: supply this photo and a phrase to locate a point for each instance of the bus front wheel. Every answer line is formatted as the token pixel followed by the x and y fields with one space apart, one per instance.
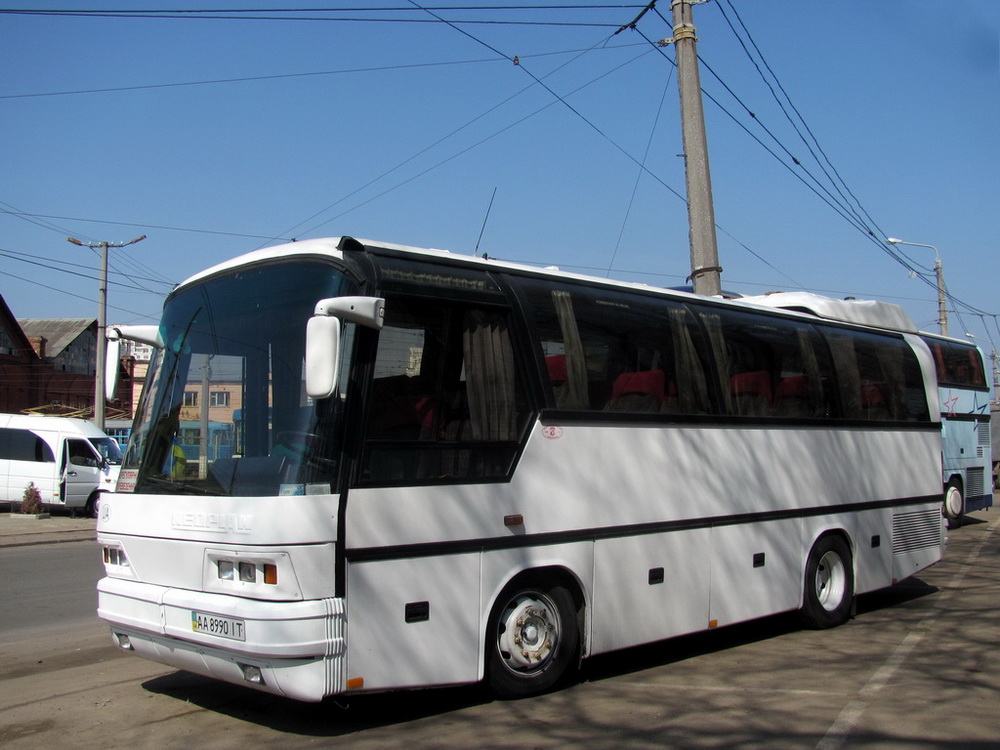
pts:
pixel 829 584
pixel 533 640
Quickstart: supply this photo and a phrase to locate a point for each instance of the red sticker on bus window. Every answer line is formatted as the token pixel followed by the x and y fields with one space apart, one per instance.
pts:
pixel 552 432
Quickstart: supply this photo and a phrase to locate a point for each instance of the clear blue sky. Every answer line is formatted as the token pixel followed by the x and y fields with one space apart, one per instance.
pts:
pixel 406 129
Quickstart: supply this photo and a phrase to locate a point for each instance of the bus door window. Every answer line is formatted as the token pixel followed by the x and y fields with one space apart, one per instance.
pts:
pixel 448 399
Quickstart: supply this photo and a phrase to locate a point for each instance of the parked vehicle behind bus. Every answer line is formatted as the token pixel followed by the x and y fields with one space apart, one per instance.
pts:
pixel 966 456
pixel 449 469
pixel 70 461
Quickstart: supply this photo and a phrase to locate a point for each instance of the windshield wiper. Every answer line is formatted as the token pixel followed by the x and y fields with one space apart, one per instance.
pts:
pixel 179 487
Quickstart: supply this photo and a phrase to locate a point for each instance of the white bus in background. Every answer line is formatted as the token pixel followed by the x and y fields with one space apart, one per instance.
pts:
pixel 70 461
pixel 453 469
pixel 963 394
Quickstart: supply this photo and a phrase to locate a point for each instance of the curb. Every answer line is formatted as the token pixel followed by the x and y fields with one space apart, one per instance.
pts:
pixel 63 538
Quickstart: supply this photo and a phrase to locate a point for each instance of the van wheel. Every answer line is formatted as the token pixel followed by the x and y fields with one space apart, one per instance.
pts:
pixel 829 584
pixel 93 506
pixel 533 640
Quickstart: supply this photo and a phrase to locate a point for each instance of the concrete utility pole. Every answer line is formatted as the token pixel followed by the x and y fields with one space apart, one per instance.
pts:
pixel 102 314
pixel 939 276
pixel 705 269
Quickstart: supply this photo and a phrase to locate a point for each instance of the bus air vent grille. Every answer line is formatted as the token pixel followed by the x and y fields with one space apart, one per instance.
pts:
pixel 916 529
pixel 975 485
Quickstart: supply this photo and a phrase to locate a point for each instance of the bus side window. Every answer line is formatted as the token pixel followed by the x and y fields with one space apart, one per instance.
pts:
pixel 770 367
pixel 618 352
pixel 879 377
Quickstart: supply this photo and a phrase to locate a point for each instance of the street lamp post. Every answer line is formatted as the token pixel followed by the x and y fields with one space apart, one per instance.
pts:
pixel 939 275
pixel 102 312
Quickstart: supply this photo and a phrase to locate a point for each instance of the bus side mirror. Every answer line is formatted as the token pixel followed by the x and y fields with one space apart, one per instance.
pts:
pixel 322 355
pixel 323 338
pixel 111 365
pixel 114 334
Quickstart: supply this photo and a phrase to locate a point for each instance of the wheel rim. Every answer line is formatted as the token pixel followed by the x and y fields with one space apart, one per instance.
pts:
pixel 953 502
pixel 831 581
pixel 528 633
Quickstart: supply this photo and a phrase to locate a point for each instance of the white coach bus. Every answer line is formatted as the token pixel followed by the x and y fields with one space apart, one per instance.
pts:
pixel 448 469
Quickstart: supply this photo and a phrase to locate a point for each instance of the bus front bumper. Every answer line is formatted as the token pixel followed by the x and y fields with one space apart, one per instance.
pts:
pixel 294 649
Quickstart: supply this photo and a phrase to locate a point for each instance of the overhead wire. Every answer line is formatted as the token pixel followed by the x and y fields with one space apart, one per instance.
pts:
pixel 442 139
pixel 477 144
pixel 848 206
pixel 298 14
pixel 811 143
pixel 841 206
pixel 638 176
pixel 64 292
pixel 48 266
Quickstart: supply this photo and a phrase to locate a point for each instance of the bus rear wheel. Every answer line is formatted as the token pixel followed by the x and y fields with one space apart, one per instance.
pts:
pixel 533 640
pixel 954 503
pixel 829 583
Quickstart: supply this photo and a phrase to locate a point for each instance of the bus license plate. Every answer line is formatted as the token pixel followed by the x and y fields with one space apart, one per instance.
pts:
pixel 225 627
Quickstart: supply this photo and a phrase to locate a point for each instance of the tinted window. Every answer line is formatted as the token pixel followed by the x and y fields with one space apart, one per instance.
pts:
pixel 448 397
pixel 957 365
pixel 879 377
pixel 608 351
pixel 24 445
pixel 769 366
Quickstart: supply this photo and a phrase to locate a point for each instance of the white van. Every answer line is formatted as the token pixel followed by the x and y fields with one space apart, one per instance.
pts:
pixel 70 461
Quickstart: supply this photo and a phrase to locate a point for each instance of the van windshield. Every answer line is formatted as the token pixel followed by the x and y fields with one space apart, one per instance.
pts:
pixel 108 449
pixel 224 410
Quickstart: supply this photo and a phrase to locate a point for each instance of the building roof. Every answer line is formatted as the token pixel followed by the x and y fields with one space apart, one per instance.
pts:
pixel 58 332
pixel 18 344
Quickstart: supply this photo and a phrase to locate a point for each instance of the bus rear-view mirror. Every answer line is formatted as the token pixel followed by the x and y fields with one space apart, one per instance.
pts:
pixel 115 334
pixel 323 338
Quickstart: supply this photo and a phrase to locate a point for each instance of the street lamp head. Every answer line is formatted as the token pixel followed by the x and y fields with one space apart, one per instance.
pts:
pixel 893 240
pixel 75 241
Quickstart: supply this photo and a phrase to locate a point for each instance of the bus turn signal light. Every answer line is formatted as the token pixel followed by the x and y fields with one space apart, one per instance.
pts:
pixel 270 574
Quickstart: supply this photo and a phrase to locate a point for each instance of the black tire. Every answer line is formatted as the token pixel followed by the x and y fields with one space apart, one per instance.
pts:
pixel 532 640
pixel 93 506
pixel 829 583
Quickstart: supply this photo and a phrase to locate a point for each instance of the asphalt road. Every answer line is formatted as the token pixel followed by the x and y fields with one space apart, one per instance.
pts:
pixel 48 589
pixel 918 668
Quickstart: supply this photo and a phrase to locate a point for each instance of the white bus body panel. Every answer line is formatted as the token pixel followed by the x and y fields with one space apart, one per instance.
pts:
pixel 443 649
pixel 675 481
pixel 632 608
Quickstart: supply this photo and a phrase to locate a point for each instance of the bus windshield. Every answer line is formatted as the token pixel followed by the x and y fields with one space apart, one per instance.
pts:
pixel 224 410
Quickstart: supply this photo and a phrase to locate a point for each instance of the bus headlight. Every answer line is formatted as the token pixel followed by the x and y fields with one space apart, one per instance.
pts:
pixel 226 570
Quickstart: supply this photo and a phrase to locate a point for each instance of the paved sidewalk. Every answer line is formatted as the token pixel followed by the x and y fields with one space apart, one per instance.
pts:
pixel 20 531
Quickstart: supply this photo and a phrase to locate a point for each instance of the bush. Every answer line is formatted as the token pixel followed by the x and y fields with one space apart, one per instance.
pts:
pixel 31 500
